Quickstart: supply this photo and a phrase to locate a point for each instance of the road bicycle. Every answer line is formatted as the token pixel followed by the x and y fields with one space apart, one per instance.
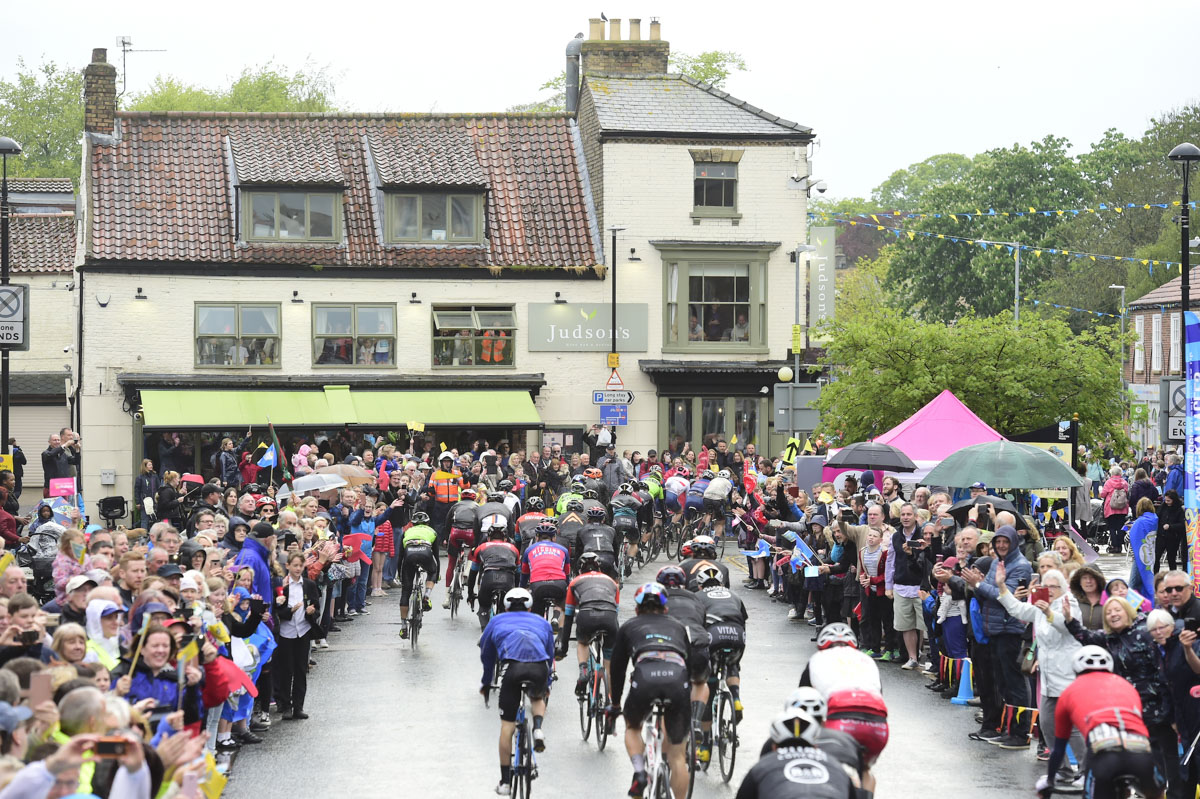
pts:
pixel 725 735
pixel 457 592
pixel 593 705
pixel 658 770
pixel 416 607
pixel 672 533
pixel 524 760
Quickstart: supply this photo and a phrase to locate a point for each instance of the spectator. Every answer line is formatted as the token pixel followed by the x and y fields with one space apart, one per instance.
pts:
pixel 1181 600
pixel 1181 665
pixel 1172 532
pixel 1115 493
pixel 71 560
pixel 58 459
pixel 905 572
pixel 167 505
pixel 296 620
pixel 1087 585
pixel 1142 486
pixel 1174 481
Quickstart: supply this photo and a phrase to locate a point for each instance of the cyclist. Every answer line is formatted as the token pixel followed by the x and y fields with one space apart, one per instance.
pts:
pixel 598 538
pixel 1107 710
pixel 676 486
pixel 725 616
pixel 591 499
pixel 657 646
pixel 694 496
pixel 717 497
pixel 832 742
pixel 493 508
pixel 496 559
pixel 594 598
pixel 530 519
pixel 592 478
pixel 420 549
pixel 687 608
pixel 641 490
pixel 798 765
pixel 625 507
pixel 463 520
pixel 544 568
pixel 570 522
pixel 511 500
pixel 703 553
pixel 576 493
pixel 523 644
pixel 849 680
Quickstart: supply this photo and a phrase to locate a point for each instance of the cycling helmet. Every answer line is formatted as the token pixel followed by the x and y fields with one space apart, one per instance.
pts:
pixel 546 529
pixel 792 725
pixel 836 634
pixel 420 517
pixel 495 526
pixel 725 473
pixel 808 699
pixel 577 487
pixel 468 494
pixel 625 488
pixel 650 595
pixel 1092 658
pixel 709 575
pixel 518 599
pixel 265 500
pixel 684 472
pixel 642 485
pixel 685 549
pixel 656 469
pixel 534 503
pixel 495 496
pixel 589 562
pixel 505 485
pixel 595 512
pixel 707 475
pixel 575 506
pixel 593 473
pixel 703 545
pixel 671 577
pixel 590 493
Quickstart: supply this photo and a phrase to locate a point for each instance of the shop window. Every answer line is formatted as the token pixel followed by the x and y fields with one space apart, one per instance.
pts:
pixel 354 335
pixel 679 422
pixel 434 217
pixel 292 216
pixel 703 421
pixel 712 420
pixel 237 334
pixel 474 335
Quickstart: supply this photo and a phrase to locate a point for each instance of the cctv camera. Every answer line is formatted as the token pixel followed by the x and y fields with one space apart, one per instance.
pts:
pixel 821 186
pixel 67 348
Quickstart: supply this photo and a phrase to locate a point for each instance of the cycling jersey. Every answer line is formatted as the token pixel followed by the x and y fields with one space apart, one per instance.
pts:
pixel 676 484
pixel 841 668
pixel 588 504
pixel 797 772
pixel 419 536
pixel 651 636
pixel 596 538
pixel 544 561
pixel 568 530
pixel 561 507
pixel 513 503
pixel 594 591
pixel 692 565
pixel 719 489
pixel 495 556
pixel 720 605
pixel 1098 698
pixel 489 510
pixel 654 488
pixel 464 514
pixel 527 522
pixel 624 509
pixel 834 743
pixel 517 636
pixel 686 608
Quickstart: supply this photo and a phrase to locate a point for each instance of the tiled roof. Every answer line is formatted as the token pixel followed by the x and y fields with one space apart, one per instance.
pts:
pixel 679 105
pixel 40 185
pixel 42 242
pixel 267 154
pixel 425 155
pixel 161 191
pixel 1170 293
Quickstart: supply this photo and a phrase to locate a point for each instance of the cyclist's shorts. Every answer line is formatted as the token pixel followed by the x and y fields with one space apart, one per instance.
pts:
pixel 510 685
pixel 1102 767
pixel 672 500
pixel 694 502
pixel 657 679
pixel 590 622
pixel 548 592
pixel 460 537
pixel 714 506
pixel 732 639
pixel 698 662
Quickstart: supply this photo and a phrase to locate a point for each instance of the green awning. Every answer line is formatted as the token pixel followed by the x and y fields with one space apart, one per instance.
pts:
pixel 336 406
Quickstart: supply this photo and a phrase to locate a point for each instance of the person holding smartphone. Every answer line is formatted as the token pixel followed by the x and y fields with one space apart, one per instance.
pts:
pixel 905 572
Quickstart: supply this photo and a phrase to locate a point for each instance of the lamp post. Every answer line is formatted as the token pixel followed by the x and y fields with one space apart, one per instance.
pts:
pixel 613 339
pixel 801 249
pixel 1185 154
pixel 7 147
pixel 1122 288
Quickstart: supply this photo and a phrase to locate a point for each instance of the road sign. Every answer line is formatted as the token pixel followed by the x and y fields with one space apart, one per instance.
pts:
pixel 797 338
pixel 791 451
pixel 14 317
pixel 615 383
pixel 792 406
pixel 612 397
pixel 614 360
pixel 1172 409
pixel 614 414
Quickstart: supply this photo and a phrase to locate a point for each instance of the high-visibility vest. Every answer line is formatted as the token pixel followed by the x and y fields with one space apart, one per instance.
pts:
pixel 106 660
pixel 492 346
pixel 446 486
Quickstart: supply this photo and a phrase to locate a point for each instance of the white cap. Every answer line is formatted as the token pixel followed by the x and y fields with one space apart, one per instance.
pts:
pixel 188 582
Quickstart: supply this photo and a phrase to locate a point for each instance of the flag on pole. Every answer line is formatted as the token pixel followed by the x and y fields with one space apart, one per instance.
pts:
pixel 270 459
pixel 278 451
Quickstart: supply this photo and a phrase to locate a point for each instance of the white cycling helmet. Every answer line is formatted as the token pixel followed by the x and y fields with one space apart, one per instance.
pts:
pixel 1092 658
pixel 810 700
pixel 518 599
pixel 794 724
pixel 725 473
pixel 836 634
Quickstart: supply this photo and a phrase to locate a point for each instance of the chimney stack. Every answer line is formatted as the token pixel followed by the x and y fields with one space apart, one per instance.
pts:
pixel 99 94
pixel 614 56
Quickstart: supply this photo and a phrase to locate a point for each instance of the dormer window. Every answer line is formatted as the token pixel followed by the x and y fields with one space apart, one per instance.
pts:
pixel 301 216
pixel 434 217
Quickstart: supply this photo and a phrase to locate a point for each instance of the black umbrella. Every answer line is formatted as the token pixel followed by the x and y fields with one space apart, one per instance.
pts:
pixel 871 455
pixel 960 509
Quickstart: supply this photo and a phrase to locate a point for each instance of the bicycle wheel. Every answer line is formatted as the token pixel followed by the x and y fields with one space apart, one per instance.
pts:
pixel 600 694
pixel 455 595
pixel 587 709
pixel 518 776
pixel 526 766
pixel 691 761
pixel 725 735
pixel 721 542
pixel 414 625
pixel 662 782
pixel 670 540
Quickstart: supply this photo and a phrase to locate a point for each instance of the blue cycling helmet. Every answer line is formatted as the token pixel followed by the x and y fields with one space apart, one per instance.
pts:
pixel 650 595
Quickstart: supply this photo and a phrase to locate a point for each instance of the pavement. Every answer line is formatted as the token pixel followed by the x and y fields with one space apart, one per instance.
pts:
pixel 385 719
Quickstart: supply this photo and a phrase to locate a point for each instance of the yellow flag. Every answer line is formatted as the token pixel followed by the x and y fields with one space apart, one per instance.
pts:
pixel 6 561
pixel 219 631
pixel 911 235
pixel 808 447
pixel 212 785
pixel 444 447
pixel 733 439
pixel 189 652
pixel 875 218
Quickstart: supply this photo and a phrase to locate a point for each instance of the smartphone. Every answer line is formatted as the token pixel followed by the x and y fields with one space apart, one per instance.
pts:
pixel 1188 624
pixel 30 637
pixel 1041 594
pixel 39 688
pixel 110 747
pixel 939 558
pixel 1023 582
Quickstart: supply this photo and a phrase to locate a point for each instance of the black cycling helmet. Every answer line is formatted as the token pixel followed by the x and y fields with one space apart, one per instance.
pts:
pixel 495 496
pixel 420 517
pixel 590 493
pixel 671 577
pixel 546 529
pixel 704 546
pixel 534 503
pixel 642 485
pixel 589 562
pixel 577 487
pixel 575 506
pixel 595 512
pixel 505 485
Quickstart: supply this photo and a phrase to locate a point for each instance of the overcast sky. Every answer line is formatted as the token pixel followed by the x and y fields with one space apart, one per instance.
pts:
pixel 882 84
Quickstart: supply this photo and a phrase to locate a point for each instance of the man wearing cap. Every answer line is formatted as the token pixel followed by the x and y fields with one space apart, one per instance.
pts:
pixel 442 489
pixel 172 574
pixel 210 500
pixel 73 608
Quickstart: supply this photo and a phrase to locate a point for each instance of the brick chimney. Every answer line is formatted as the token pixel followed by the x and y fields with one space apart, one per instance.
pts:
pixel 617 56
pixel 99 94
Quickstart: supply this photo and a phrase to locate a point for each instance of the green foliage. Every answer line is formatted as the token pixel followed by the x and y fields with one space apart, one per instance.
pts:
pixel 906 188
pixel 712 66
pixel 43 110
pixel 262 88
pixel 887 365
pixel 555 103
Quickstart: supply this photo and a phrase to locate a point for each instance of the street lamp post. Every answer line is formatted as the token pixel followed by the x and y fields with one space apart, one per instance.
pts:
pixel 7 147
pixel 1185 154
pixel 1122 288
pixel 613 340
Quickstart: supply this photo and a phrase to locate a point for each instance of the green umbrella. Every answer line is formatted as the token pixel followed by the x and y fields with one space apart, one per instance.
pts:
pixel 1003 464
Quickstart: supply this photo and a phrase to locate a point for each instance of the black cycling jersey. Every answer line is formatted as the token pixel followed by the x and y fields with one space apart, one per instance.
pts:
pixel 569 525
pixel 797 772
pixel 688 609
pixel 692 565
pixel 588 504
pixel 835 743
pixel 641 635
pixel 720 604
pixel 595 538
pixel 464 515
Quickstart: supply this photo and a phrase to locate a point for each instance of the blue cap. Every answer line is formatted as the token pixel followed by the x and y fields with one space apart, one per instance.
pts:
pixel 979 485
pixel 11 717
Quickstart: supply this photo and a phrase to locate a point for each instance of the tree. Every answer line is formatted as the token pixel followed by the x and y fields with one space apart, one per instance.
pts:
pixel 887 365
pixel 555 103
pixel 712 66
pixel 905 189
pixel 263 88
pixel 43 110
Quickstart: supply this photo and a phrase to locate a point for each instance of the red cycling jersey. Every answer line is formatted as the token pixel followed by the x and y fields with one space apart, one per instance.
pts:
pixel 1095 698
pixel 545 561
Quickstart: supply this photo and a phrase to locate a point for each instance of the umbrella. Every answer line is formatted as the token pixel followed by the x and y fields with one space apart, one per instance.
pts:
pixel 871 455
pixel 1004 464
pixel 960 509
pixel 353 475
pixel 317 482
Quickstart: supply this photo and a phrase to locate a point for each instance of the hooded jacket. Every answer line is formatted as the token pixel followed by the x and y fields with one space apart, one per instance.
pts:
pixel 996 620
pixel 1174 479
pixel 230 541
pixel 1091 616
pixel 255 555
pixel 106 651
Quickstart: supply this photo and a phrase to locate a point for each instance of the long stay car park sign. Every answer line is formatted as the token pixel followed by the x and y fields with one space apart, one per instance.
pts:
pixel 606 397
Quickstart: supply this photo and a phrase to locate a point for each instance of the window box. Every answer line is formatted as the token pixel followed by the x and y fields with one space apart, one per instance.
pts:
pixel 236 335
pixel 434 218
pixel 292 216
pixel 354 335
pixel 474 336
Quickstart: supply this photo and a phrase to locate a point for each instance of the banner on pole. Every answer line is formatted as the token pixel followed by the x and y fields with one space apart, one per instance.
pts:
pixel 1191 465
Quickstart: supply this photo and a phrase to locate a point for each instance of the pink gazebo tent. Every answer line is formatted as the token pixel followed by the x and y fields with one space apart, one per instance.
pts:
pixel 944 426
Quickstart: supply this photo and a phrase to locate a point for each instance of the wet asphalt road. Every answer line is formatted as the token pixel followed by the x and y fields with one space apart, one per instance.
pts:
pixel 387 721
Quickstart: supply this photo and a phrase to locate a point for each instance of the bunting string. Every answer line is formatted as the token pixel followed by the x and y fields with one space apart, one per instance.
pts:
pixel 1037 303
pixel 955 216
pixel 1001 245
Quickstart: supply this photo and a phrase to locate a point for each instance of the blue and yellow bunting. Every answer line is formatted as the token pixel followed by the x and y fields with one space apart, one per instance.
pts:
pixel 992 212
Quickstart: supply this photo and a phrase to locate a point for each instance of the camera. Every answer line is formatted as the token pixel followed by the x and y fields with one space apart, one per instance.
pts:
pixel 821 186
